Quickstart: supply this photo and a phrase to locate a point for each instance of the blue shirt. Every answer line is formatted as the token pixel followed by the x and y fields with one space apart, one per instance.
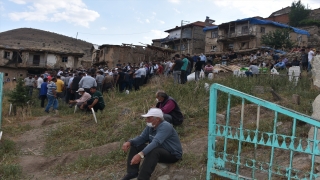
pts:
pixel 43 88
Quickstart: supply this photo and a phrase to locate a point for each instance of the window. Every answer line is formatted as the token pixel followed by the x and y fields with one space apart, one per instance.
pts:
pixel 214 34
pixel 262 30
pixel 7 55
pixel 21 75
pixel 244 30
pixel 64 59
pixel 36 60
pixel 5 74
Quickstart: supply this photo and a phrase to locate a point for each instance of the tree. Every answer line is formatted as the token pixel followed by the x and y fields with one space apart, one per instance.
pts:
pixel 280 38
pixel 19 96
pixel 297 13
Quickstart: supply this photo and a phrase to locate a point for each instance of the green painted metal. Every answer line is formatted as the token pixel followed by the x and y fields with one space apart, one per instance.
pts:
pixel 1 96
pixel 229 165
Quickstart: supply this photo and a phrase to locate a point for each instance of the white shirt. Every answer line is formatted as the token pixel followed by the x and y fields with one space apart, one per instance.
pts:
pixel 39 82
pixel 310 55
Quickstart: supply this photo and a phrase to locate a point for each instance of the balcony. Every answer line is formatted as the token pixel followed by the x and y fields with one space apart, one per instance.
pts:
pixel 237 36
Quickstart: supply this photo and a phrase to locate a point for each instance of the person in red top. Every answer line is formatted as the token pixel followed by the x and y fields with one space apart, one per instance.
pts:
pixel 160 69
pixel 208 69
pixel 169 107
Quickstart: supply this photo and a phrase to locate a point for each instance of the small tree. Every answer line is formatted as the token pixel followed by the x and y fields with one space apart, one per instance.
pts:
pixel 19 96
pixel 297 13
pixel 280 38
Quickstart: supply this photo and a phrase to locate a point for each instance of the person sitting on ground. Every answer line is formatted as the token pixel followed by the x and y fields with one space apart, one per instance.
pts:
pixel 84 96
pixel 169 107
pixel 158 143
pixel 253 69
pixel 96 102
pixel 208 69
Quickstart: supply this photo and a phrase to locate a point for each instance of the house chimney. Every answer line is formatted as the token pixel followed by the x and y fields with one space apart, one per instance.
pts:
pixel 208 21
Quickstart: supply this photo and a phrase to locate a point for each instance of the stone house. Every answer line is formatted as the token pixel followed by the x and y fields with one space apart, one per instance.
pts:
pixel 187 38
pixel 245 35
pixel 18 62
pixel 111 55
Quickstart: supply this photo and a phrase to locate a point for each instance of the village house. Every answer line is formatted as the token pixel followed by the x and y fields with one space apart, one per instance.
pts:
pixel 187 38
pixel 18 62
pixel 245 35
pixel 111 55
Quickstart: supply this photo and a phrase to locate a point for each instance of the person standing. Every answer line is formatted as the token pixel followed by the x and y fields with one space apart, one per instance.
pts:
pixel 39 82
pixel 108 83
pixel 203 59
pixel 29 83
pixel 198 68
pixel 176 69
pixel 184 67
pixel 43 91
pixel 52 96
pixel 87 82
pixel 310 57
pixel 158 143
pixel 60 87
pixel 304 59
pixel 99 79
pixel 137 79
pixel 75 85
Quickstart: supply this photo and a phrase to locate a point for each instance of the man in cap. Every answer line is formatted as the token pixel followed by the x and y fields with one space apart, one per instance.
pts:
pixel 159 142
pixel 84 96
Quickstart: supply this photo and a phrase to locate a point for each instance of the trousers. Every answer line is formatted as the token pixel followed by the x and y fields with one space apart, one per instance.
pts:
pixel 150 161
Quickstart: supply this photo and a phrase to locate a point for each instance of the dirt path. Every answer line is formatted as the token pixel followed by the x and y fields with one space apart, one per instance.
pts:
pixel 32 144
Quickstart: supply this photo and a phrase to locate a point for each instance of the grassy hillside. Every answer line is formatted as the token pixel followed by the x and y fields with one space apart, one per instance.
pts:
pixel 121 121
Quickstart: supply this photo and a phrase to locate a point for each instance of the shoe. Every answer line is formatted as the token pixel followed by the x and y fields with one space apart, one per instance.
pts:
pixel 56 112
pixel 70 106
pixel 130 176
pixel 46 111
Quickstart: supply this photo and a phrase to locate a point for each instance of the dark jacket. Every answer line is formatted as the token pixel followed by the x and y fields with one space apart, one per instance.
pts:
pixel 75 83
pixel 177 117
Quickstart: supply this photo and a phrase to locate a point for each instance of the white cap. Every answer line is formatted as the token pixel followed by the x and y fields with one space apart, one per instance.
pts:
pixel 154 112
pixel 80 89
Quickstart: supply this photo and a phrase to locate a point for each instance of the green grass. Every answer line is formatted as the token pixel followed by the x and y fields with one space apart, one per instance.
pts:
pixel 121 119
pixel 9 169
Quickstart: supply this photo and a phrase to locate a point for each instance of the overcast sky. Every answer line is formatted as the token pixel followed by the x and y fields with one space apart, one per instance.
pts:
pixel 128 21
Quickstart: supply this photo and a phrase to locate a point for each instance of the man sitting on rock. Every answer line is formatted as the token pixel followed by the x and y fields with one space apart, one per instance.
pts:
pixel 158 143
pixel 84 97
pixel 169 107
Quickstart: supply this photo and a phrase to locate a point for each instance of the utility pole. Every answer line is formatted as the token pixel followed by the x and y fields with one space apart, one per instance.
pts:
pixel 77 36
pixel 182 23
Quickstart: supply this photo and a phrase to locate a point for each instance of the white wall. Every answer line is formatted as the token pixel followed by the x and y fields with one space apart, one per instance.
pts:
pixel 51 60
pixel 175 34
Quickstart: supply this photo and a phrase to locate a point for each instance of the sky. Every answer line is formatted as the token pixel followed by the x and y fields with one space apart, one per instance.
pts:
pixel 128 21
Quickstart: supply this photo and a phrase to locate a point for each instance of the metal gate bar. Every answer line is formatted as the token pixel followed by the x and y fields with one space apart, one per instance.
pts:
pixel 217 160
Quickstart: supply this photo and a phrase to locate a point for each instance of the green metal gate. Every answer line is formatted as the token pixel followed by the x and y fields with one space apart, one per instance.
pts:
pixel 230 165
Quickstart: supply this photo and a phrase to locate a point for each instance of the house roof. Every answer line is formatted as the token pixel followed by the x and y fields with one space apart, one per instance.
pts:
pixel 41 50
pixel 197 23
pixel 260 21
pixel 281 11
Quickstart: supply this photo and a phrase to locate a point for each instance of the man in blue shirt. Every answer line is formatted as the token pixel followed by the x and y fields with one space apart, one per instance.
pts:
pixel 163 146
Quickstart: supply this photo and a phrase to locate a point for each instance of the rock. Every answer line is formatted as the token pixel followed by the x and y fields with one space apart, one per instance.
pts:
pixel 125 111
pixel 258 89
pixel 315 115
pixel 316 70
pixel 220 119
pixel 178 177
pixel 164 177
pixel 162 165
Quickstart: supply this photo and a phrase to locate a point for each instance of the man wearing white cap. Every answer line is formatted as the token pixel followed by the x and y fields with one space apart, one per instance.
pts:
pixel 84 96
pixel 163 146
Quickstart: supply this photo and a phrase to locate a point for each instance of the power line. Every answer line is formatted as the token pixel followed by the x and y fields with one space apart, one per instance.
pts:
pixel 115 34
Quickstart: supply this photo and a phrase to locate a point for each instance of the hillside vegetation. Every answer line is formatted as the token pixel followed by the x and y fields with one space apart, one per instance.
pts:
pixel 73 146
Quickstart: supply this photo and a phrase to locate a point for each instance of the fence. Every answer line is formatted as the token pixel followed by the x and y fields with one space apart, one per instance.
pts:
pixel 238 152
pixel 1 96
